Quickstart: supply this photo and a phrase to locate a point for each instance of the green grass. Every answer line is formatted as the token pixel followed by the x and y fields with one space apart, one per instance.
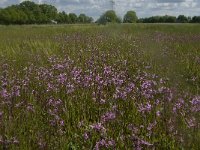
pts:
pixel 171 51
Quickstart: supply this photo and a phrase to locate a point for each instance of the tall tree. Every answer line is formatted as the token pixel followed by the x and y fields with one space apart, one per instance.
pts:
pixel 32 10
pixel 182 19
pixel 109 16
pixel 38 13
pixel 73 18
pixel 29 12
pixel 82 18
pixel 170 19
pixel 49 11
pixel 90 20
pixel 130 17
pixel 196 19
pixel 62 17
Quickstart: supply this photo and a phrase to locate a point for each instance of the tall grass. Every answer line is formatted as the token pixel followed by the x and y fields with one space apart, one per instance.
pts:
pixel 100 87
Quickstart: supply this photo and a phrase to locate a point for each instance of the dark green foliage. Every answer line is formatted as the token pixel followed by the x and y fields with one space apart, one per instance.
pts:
pixel 12 15
pixel 170 19
pixel 29 12
pixel 73 18
pixel 159 19
pixel 182 19
pixel 109 17
pixel 62 17
pixel 196 19
pixel 84 19
pixel 130 17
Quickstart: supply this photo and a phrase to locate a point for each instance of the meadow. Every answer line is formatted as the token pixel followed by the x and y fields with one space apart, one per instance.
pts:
pixel 81 87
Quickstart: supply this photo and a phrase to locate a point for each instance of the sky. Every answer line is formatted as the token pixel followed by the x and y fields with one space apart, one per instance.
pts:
pixel 143 8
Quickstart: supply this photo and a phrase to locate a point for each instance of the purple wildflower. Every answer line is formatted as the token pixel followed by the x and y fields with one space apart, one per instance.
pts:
pixel 98 127
pixel 108 116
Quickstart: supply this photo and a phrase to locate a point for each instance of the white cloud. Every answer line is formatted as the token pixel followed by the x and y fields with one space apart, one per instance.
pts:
pixel 144 8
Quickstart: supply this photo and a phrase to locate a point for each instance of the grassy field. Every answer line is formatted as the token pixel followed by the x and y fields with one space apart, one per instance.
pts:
pixel 131 86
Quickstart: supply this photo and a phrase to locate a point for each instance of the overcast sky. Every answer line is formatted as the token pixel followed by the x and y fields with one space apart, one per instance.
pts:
pixel 143 8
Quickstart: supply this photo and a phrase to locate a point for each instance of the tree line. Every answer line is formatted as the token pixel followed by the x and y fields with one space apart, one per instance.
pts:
pixel 111 17
pixel 131 17
pixel 170 19
pixel 29 12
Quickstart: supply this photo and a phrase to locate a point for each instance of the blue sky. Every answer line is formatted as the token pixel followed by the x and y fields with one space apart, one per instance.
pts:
pixel 144 8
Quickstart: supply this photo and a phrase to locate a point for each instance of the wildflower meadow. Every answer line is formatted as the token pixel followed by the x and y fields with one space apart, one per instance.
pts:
pixel 115 87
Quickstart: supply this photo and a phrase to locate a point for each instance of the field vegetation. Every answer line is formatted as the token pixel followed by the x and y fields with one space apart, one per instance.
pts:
pixel 130 86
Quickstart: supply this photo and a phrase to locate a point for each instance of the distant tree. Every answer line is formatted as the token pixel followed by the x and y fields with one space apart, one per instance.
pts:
pixel 32 10
pixel 73 18
pixel 154 19
pixel 62 17
pixel 140 20
pixel 38 13
pixel 170 19
pixel 109 16
pixel 159 19
pixel 90 20
pixel 0 16
pixel 5 16
pixel 195 19
pixel 12 15
pixel 48 11
pixel 102 20
pixel 130 17
pixel 82 18
pixel 19 17
pixel 118 20
pixel 29 12
pixel 182 19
